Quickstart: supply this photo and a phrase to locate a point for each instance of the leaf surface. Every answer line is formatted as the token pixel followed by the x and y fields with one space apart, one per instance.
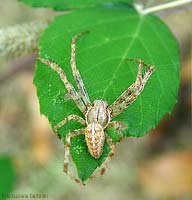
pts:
pixel 115 34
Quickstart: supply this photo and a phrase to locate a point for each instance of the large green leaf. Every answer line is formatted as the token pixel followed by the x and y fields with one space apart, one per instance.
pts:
pixel 7 177
pixel 115 34
pixel 67 4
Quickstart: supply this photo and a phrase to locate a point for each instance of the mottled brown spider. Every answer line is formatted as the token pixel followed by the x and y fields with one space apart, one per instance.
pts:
pixel 98 115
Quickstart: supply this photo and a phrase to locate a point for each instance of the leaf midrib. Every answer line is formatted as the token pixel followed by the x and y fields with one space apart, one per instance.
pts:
pixel 135 35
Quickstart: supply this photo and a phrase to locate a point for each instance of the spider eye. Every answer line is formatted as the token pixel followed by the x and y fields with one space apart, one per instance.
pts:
pixel 88 128
pixel 98 127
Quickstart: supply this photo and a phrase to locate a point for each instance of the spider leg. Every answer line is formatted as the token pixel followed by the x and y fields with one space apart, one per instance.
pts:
pixel 118 126
pixel 103 167
pixel 71 90
pixel 67 119
pixel 142 79
pixel 75 71
pixel 67 153
pixel 131 94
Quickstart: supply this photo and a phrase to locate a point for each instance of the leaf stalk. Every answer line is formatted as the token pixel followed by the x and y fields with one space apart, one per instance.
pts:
pixel 161 7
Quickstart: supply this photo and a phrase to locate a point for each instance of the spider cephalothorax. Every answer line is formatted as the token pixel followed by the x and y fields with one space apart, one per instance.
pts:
pixel 99 115
pixel 97 118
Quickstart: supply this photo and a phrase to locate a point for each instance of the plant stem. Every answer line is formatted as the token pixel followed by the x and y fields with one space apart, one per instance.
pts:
pixel 20 39
pixel 172 4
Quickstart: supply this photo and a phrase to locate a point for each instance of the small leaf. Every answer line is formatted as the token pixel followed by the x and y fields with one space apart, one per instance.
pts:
pixel 69 4
pixel 115 34
pixel 7 176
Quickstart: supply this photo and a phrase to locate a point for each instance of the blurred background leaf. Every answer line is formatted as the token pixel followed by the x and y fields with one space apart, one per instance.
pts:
pixel 7 176
pixel 69 4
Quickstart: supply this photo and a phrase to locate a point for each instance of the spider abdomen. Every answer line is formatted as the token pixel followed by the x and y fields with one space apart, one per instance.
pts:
pixel 95 137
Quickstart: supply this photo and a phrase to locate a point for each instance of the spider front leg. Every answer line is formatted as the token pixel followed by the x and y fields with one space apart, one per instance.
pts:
pixel 131 94
pixel 142 80
pixel 67 119
pixel 103 167
pixel 71 90
pixel 75 71
pixel 67 153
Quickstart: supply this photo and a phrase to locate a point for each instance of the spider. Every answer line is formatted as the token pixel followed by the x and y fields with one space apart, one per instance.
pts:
pixel 97 115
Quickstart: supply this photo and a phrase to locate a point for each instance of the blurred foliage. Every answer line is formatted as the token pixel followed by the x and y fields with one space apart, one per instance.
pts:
pixel 7 176
pixel 69 4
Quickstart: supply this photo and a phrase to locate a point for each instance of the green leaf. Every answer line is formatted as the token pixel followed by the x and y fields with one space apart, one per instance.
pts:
pixel 115 34
pixel 7 177
pixel 68 4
